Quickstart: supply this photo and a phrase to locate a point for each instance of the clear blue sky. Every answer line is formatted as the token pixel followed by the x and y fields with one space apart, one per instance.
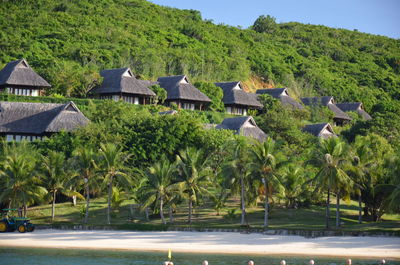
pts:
pixel 381 17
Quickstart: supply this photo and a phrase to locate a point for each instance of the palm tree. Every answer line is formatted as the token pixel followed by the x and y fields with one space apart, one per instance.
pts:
pixel 193 176
pixel 331 158
pixel 236 171
pixel 158 186
pixel 57 177
pixel 264 164
pixel 113 163
pixel 86 163
pixel 20 182
pixel 292 181
pixel 359 171
pixel 392 202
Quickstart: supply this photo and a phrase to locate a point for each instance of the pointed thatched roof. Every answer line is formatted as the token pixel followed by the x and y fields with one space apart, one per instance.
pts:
pixel 283 95
pixel 322 130
pixel 244 125
pixel 235 95
pixel 121 80
pixel 178 87
pixel 19 73
pixel 329 102
pixel 39 118
pixel 356 107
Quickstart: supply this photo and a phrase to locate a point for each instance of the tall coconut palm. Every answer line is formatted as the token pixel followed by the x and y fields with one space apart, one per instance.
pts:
pixel 193 176
pixel 331 158
pixel 236 171
pixel 20 181
pixel 158 187
pixel 86 164
pixel 264 161
pixel 57 177
pixel 112 164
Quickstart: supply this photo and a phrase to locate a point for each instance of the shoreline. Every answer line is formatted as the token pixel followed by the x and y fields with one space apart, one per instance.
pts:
pixel 211 243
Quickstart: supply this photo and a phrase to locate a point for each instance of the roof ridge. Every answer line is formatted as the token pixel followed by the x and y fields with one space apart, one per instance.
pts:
pixel 62 107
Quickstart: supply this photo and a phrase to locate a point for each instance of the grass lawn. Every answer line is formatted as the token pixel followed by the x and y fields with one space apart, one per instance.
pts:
pixel 312 218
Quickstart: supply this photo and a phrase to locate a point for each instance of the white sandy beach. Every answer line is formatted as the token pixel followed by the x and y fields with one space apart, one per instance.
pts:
pixel 205 242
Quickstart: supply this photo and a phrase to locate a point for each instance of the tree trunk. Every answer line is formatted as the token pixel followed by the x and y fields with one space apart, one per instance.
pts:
pixel 243 206
pixel 110 185
pixel 171 217
pixel 53 206
pixel 190 211
pixel 338 209
pixel 327 210
pixel 131 210
pixel 146 211
pixel 87 203
pixel 162 210
pixel 24 206
pixel 73 197
pixel 266 204
pixel 359 210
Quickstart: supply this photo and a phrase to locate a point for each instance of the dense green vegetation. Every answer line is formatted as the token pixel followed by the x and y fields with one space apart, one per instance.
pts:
pixel 169 163
pixel 68 43
pixel 131 155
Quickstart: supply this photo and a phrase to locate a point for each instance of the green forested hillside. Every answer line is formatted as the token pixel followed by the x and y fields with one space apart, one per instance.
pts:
pixel 69 41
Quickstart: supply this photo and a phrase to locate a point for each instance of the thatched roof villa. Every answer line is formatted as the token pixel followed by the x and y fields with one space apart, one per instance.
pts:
pixel 236 100
pixel 182 93
pixel 245 126
pixel 18 78
pixel 283 95
pixel 340 117
pixel 121 84
pixel 321 130
pixel 356 107
pixel 33 121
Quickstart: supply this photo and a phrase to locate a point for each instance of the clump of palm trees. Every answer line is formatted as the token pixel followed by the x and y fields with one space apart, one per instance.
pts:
pixel 259 172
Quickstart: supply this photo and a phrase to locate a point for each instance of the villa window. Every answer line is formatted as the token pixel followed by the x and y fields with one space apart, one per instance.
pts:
pixel 189 106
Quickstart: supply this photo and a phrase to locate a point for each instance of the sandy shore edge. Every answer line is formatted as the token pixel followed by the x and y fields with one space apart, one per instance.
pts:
pixel 212 243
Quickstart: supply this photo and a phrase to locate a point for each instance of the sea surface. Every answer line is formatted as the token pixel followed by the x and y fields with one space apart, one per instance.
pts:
pixel 42 256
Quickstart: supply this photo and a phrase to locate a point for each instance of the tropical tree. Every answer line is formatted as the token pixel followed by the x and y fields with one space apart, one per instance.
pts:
pixel 236 171
pixel 265 160
pixel 373 165
pixel 112 164
pixel 57 177
pixel 158 187
pixel 87 166
pixel 193 176
pixel 265 24
pixel 360 170
pixel 292 180
pixel 392 202
pixel 20 183
pixel 331 158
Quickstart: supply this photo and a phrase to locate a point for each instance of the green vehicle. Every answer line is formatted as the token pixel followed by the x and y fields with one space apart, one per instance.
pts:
pixel 11 223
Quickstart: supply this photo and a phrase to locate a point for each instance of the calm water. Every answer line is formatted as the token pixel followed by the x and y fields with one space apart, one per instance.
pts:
pixel 25 256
